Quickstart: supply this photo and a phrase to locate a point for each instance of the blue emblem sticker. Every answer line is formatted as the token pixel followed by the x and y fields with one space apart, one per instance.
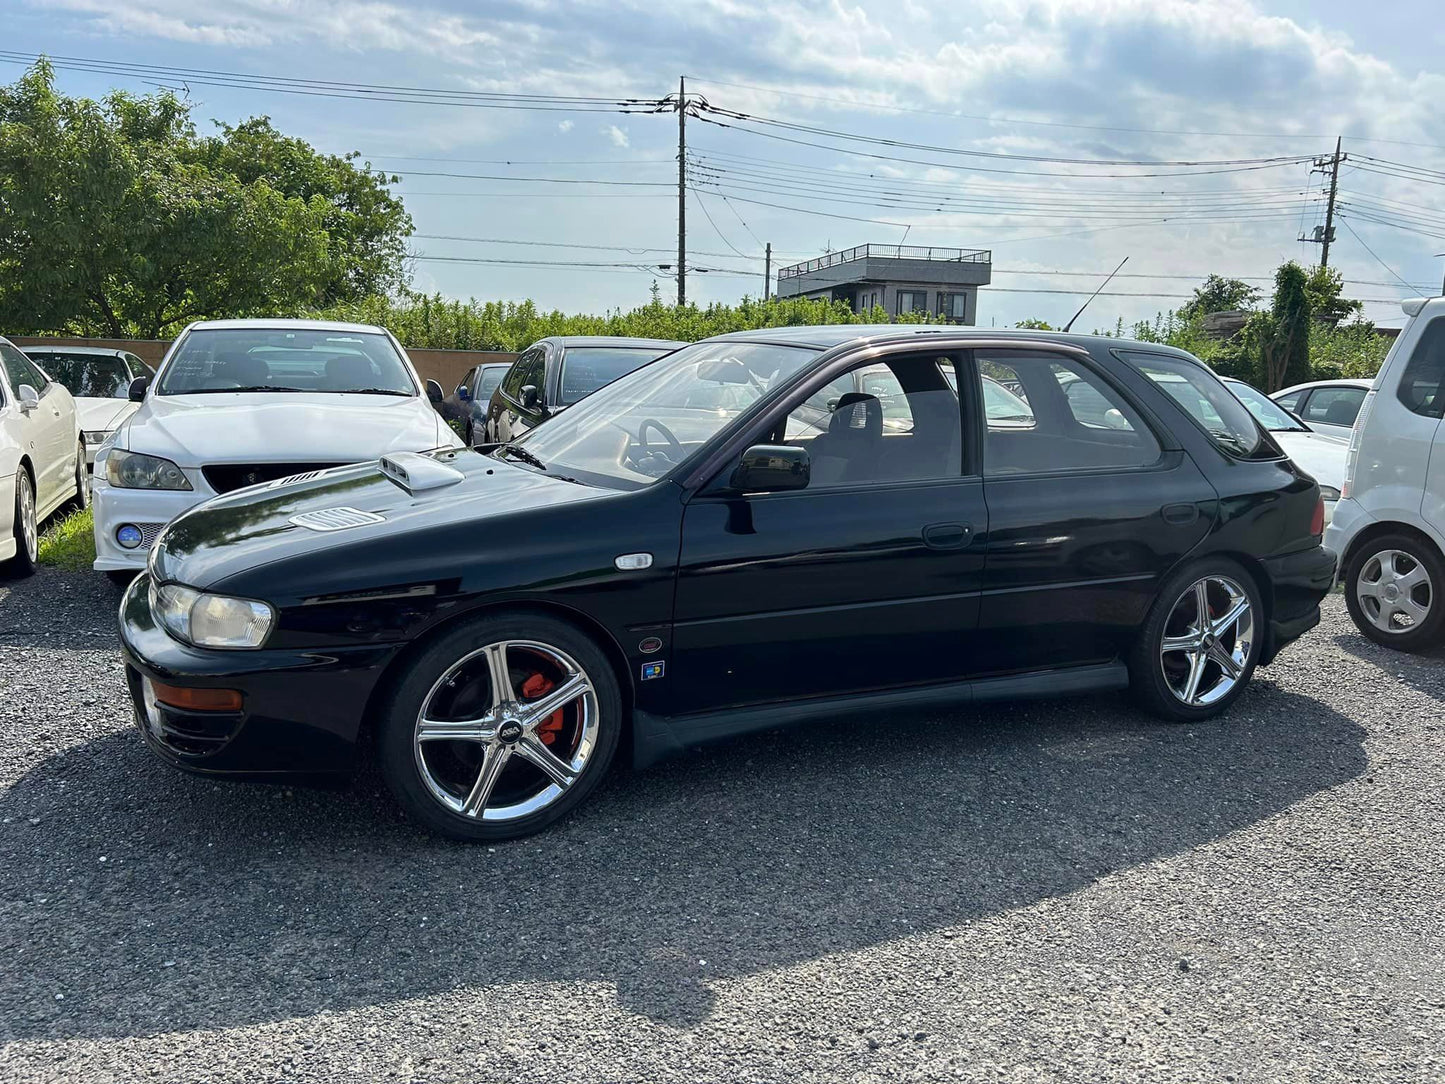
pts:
pixel 651 670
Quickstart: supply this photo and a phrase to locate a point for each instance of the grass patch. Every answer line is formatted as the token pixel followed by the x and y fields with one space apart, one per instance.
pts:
pixel 69 544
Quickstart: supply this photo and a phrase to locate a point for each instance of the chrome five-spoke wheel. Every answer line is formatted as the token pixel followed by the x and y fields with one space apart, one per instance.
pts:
pixel 1394 591
pixel 506 730
pixel 1208 638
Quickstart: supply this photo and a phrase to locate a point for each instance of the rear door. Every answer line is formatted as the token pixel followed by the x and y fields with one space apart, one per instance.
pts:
pixel 1088 506
pixel 1332 409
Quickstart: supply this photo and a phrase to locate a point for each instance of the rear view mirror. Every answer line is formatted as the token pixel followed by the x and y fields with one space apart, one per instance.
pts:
pixel 434 391
pixel 138 388
pixel 727 371
pixel 29 400
pixel 769 468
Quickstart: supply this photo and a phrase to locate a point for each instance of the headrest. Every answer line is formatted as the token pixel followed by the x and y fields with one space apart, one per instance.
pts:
pixel 857 417
pixel 349 372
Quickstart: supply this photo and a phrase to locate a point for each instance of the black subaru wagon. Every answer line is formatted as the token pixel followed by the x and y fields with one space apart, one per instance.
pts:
pixel 759 529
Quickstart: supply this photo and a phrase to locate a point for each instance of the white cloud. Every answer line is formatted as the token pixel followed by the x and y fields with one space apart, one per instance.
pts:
pixel 564 126
pixel 617 135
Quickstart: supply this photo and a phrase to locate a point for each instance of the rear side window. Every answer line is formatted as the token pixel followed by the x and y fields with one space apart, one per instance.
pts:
pixel 1334 406
pixel 1420 386
pixel 1213 406
pixel 1045 413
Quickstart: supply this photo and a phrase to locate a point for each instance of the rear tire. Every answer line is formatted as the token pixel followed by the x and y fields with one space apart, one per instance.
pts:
pixel 25 529
pixel 1393 589
pixel 1186 670
pixel 81 501
pixel 443 726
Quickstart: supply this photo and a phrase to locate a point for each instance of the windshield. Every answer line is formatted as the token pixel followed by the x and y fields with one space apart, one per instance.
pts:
pixel 587 368
pixel 641 426
pixel 1267 412
pixel 213 360
pixel 86 375
pixel 1206 400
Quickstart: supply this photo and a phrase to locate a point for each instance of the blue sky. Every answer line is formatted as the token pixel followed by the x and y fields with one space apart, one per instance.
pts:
pixel 1080 79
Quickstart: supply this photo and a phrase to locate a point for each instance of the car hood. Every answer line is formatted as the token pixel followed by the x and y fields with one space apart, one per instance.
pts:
pixel 282 427
pixel 101 415
pixel 1321 456
pixel 252 527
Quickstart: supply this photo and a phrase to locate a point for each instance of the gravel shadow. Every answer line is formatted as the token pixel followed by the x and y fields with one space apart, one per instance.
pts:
pixel 137 900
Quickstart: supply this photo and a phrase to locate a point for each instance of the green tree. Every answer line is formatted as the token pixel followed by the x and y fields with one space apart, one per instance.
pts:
pixel 116 220
pixel 1035 325
pixel 1219 294
pixel 1281 336
pixel 1324 287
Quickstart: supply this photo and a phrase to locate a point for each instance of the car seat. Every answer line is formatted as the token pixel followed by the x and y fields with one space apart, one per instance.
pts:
pixel 349 372
pixel 242 369
pixel 848 451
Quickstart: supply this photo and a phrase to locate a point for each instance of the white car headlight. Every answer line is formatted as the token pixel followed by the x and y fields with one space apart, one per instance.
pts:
pixel 131 470
pixel 205 620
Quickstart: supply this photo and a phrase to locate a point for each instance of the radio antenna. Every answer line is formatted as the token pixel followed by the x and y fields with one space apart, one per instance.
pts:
pixel 1095 294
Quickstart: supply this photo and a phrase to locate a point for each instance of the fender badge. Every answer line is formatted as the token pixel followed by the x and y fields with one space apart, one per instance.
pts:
pixel 651 645
pixel 651 670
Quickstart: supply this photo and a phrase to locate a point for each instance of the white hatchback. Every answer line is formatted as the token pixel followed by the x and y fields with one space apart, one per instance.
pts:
pixel 1389 524
pixel 238 403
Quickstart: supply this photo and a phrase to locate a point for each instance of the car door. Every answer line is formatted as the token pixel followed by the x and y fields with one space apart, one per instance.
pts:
pixel 866 579
pixel 1332 409
pixel 1088 506
pixel 48 429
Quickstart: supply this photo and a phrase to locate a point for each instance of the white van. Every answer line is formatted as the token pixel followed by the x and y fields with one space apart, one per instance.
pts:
pixel 1389 524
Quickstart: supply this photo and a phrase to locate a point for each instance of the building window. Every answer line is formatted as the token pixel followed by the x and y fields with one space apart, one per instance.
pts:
pixel 953 306
pixel 912 301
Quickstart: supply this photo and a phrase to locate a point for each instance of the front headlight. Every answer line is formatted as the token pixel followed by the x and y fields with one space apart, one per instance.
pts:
pixel 131 470
pixel 1329 493
pixel 96 436
pixel 210 620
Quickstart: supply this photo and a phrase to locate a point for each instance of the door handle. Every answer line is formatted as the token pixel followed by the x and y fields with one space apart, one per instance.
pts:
pixel 947 536
pixel 1181 515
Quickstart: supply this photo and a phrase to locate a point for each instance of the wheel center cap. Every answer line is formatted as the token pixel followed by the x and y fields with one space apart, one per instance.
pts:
pixel 509 731
pixel 1391 593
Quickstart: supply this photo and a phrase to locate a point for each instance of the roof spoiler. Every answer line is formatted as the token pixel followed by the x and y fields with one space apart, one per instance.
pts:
pixel 1413 305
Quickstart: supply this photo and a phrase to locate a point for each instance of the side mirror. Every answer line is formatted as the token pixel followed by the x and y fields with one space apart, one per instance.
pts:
pixel 463 396
pixel 28 397
pixel 434 392
pixel 138 388
pixel 530 398
pixel 769 468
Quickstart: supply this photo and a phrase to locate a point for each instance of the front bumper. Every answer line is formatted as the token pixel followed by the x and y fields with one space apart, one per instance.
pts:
pixel 1299 582
pixel 148 509
pixel 301 711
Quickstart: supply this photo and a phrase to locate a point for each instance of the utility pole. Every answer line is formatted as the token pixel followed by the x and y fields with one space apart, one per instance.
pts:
pixel 682 190
pixel 1324 235
pixel 767 271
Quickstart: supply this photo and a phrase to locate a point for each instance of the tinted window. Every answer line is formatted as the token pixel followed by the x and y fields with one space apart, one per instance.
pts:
pixel 92 375
pixel 1420 386
pixel 215 360
pixel 1045 412
pixel 19 370
pixel 1291 401
pixel 488 380
pixel 527 369
pixel 1334 406
pixel 587 368
pixel 1212 406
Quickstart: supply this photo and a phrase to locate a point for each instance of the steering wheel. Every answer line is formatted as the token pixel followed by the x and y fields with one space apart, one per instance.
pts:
pixel 652 461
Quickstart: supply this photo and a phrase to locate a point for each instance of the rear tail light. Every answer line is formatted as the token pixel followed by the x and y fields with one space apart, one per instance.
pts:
pixel 1354 452
pixel 1317 521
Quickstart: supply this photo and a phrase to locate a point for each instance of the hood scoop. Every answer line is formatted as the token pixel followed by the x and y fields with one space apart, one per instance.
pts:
pixel 415 472
pixel 335 519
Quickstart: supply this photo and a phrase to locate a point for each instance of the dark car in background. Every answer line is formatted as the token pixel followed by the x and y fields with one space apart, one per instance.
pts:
pixel 695 552
pixel 554 373
pixel 472 396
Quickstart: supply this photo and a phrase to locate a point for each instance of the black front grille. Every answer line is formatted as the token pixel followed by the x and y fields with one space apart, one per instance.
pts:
pixel 224 477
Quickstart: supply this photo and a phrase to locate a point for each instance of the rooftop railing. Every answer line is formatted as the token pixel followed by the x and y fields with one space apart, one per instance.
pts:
pixel 889 252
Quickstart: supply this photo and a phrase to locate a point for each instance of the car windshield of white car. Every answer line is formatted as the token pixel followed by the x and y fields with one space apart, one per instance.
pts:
pixel 218 360
pixel 88 375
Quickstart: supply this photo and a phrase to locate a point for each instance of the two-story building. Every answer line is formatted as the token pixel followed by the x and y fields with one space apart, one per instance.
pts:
pixel 899 278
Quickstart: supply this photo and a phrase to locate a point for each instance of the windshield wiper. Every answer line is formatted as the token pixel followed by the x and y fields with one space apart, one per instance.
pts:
pixel 373 391
pixel 224 391
pixel 522 454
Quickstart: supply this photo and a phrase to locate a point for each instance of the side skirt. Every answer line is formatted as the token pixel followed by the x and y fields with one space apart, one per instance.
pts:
pixel 655 737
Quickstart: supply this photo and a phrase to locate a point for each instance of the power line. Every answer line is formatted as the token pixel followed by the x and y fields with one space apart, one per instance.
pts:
pixel 708 215
pixel 1379 261
pixel 534 180
pixel 555 244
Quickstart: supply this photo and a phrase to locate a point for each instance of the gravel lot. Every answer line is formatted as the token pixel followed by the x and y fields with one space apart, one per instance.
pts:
pixel 1057 891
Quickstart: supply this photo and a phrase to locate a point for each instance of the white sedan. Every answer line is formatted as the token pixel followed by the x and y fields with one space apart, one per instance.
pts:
pixel 42 462
pixel 1322 456
pixel 238 403
pixel 1326 406
pixel 99 380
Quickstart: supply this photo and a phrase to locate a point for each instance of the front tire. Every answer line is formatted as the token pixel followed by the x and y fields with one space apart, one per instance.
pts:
pixel 81 501
pixel 1199 645
pixel 25 529
pixel 500 728
pixel 1393 591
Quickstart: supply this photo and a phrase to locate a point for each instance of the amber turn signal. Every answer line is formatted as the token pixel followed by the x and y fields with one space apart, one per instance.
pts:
pixel 197 699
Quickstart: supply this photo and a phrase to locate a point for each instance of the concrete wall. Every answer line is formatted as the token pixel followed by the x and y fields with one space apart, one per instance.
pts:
pixel 444 366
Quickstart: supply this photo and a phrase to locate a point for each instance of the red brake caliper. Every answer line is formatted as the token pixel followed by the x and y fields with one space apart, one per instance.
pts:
pixel 534 688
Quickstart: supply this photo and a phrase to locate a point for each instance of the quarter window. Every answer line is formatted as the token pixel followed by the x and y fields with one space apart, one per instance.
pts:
pixel 1291 401
pixel 1420 386
pixel 1047 413
pixel 1213 407
pixel 893 421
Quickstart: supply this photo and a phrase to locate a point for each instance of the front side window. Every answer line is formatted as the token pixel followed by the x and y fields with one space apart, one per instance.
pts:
pixel 19 370
pixel 641 426
pixel 529 370
pixel 90 375
pixel 1422 387
pixel 1214 408
pixel 218 360
pixel 1334 406
pixel 894 421
pixel 587 368
pixel 1045 412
